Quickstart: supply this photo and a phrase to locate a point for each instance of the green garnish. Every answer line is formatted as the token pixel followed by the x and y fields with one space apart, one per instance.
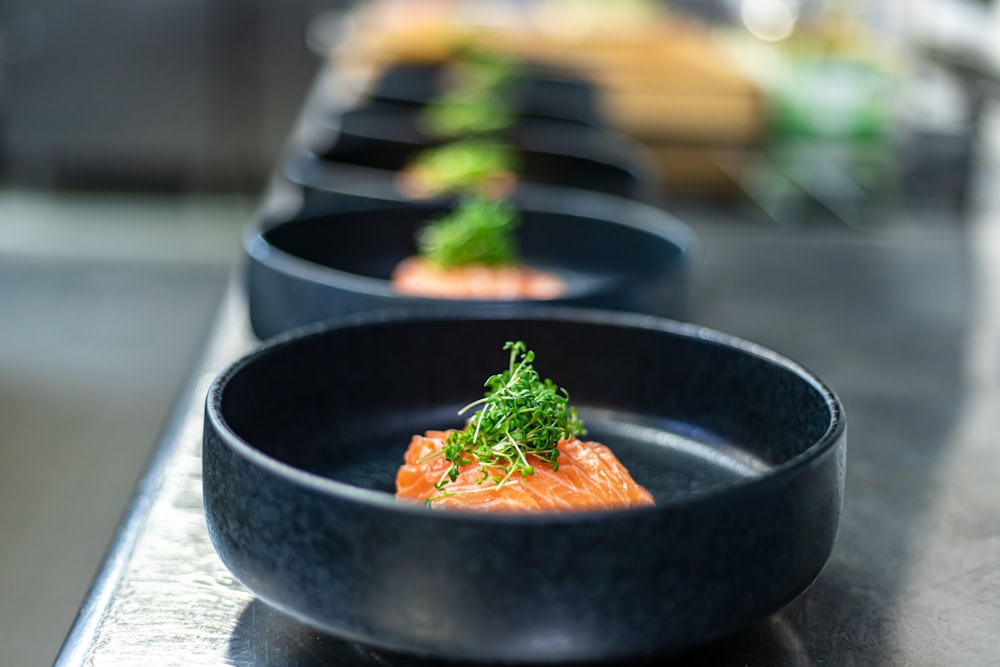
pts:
pixel 465 164
pixel 476 69
pixel 461 113
pixel 521 415
pixel 478 231
pixel 477 99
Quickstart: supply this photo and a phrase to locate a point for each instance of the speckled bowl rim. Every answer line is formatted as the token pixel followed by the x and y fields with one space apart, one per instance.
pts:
pixel 547 200
pixel 380 500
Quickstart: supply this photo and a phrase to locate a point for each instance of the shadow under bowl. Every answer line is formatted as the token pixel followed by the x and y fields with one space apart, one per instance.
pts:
pixel 611 253
pixel 742 449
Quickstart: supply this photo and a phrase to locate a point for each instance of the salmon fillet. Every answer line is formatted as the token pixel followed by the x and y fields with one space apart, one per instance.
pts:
pixel 416 277
pixel 589 477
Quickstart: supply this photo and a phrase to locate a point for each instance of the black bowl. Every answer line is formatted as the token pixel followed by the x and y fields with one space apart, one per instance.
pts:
pixel 613 253
pixel 539 92
pixel 742 449
pixel 382 137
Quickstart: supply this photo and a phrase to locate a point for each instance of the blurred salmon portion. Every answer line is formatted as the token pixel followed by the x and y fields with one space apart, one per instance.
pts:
pixel 416 277
pixel 590 477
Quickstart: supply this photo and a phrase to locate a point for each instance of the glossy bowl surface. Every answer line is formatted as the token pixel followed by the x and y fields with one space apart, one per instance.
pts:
pixel 612 253
pixel 742 449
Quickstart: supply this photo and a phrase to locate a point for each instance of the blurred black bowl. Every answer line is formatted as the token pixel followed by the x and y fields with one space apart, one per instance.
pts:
pixel 382 137
pixel 612 253
pixel 539 92
pixel 742 449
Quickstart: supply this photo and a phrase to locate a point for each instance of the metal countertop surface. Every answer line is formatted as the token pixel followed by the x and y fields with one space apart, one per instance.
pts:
pixel 904 325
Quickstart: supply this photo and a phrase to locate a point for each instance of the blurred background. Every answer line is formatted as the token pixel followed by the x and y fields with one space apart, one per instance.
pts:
pixel 136 140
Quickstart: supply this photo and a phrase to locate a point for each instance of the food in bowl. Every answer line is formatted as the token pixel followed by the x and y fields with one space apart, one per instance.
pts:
pixel 520 451
pixel 742 449
pixel 463 114
pixel 480 165
pixel 477 68
pixel 321 264
pixel 478 98
pixel 471 253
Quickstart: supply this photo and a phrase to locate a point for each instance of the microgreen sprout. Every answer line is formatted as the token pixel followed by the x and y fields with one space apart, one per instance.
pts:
pixel 477 99
pixel 461 113
pixel 478 231
pixel 519 416
pixel 479 69
pixel 466 164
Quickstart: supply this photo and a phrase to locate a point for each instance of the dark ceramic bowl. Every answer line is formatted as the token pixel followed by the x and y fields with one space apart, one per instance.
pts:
pixel 538 93
pixel 742 449
pixel 386 138
pixel 612 253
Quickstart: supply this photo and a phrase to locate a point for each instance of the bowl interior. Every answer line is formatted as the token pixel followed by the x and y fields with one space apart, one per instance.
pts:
pixel 590 254
pixel 685 412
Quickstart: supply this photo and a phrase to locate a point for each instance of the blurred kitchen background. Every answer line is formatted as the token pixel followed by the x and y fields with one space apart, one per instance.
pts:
pixel 136 139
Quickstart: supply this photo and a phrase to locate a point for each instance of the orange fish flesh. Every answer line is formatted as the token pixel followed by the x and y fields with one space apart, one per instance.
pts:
pixel 416 277
pixel 589 477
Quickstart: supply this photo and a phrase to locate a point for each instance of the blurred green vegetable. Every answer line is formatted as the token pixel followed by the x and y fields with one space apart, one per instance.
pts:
pixel 478 231
pixel 478 97
pixel 465 164
pixel 477 70
pixel 458 114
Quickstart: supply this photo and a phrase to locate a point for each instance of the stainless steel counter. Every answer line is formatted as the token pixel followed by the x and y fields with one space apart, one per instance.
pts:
pixel 904 324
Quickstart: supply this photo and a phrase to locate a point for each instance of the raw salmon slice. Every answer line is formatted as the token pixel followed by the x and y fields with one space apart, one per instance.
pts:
pixel 416 277
pixel 589 477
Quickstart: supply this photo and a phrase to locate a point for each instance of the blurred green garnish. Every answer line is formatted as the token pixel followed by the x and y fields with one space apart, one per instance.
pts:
pixel 520 415
pixel 478 96
pixel 479 70
pixel 458 114
pixel 465 164
pixel 478 231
